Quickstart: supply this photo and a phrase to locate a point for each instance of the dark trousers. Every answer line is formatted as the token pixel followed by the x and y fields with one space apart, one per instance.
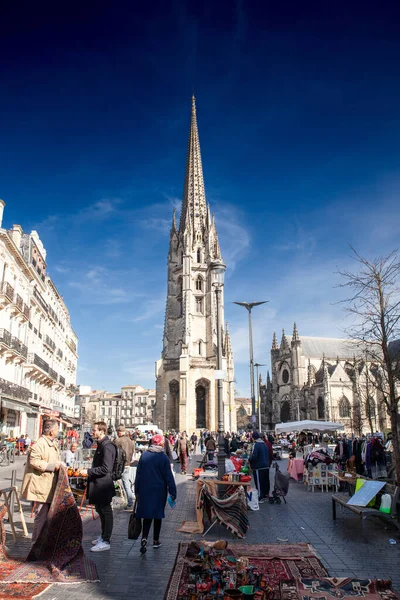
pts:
pixel 261 479
pixel 106 518
pixel 156 529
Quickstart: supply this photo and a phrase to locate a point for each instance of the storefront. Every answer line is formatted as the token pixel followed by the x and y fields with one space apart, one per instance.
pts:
pixel 13 417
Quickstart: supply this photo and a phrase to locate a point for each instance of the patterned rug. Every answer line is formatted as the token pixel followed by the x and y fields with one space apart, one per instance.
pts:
pixel 279 562
pixel 57 556
pixel 334 589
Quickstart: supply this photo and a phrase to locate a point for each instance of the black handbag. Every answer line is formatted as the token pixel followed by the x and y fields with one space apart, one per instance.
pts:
pixel 134 526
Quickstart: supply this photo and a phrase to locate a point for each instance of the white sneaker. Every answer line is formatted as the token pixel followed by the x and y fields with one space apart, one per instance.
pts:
pixel 97 540
pixel 101 547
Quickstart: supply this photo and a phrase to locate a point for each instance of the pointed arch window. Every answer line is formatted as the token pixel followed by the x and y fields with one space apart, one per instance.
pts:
pixel 370 408
pixel 344 408
pixel 198 258
pixel 199 284
pixel 321 408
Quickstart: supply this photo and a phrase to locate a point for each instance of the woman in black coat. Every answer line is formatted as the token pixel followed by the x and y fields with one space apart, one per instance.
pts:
pixel 154 480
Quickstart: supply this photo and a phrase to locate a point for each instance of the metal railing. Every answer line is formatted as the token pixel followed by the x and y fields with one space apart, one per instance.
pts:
pixel 7 290
pixel 61 379
pixel 71 344
pixel 19 302
pixel 34 359
pixel 40 299
pixel 49 342
pixel 5 337
pixel 53 374
pixel 27 311
pixel 14 390
pixel 53 315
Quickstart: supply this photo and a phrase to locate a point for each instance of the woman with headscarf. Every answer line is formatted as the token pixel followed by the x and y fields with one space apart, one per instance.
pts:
pixel 154 480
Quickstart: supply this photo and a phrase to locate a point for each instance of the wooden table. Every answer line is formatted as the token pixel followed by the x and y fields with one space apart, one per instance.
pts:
pixel 350 481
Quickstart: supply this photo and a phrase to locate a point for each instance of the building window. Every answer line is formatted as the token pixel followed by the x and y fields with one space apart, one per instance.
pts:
pixel 370 408
pixel 344 408
pixel 285 376
pixel 199 305
pixel 321 408
pixel 110 411
pixel 200 347
pixel 199 284
pixel 198 255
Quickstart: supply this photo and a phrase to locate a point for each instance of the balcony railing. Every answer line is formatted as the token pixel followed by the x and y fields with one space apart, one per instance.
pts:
pixel 7 290
pixel 19 302
pixel 53 315
pixel 61 379
pixel 72 388
pixel 17 345
pixel 13 342
pixel 34 359
pixel 27 311
pixel 5 337
pixel 53 374
pixel 71 344
pixel 40 299
pixel 49 343
pixel 13 390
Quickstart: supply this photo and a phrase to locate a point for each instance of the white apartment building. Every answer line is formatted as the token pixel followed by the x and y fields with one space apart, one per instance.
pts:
pixel 38 347
pixel 137 405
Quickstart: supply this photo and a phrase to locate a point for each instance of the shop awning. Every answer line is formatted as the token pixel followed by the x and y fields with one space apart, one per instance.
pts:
pixel 13 405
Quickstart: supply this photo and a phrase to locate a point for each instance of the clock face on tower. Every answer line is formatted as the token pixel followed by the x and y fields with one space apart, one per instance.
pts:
pixel 285 376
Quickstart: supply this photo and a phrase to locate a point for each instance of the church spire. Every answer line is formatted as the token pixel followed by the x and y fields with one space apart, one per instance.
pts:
pixel 295 336
pixel 274 342
pixel 194 206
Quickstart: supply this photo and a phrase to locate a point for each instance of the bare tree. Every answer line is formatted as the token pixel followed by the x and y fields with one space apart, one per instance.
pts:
pixel 374 301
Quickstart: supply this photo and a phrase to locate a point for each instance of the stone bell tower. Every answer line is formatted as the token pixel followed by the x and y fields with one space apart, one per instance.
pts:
pixel 186 390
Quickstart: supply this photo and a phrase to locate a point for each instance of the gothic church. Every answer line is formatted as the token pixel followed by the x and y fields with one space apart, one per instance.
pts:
pixel 326 379
pixel 186 390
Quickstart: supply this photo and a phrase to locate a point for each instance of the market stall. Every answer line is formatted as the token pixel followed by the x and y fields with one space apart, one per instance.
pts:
pixel 307 425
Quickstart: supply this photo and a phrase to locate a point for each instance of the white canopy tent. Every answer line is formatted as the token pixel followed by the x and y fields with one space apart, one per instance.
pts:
pixel 307 425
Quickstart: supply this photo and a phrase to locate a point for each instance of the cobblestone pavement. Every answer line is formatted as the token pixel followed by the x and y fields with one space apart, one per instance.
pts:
pixel 343 546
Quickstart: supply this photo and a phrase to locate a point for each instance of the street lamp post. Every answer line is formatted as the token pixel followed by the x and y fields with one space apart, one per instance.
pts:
pixel 230 403
pixel 217 278
pixel 165 412
pixel 248 306
pixel 258 396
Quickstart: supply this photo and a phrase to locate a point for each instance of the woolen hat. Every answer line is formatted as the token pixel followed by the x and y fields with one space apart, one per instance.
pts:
pixel 121 428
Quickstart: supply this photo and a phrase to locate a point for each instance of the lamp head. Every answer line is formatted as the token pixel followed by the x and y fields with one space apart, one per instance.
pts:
pixel 218 269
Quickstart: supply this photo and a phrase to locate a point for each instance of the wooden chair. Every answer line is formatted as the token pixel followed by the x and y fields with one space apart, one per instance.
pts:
pixel 10 495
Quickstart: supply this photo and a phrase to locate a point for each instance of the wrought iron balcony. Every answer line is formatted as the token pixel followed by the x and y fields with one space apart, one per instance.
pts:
pixel 34 359
pixel 13 390
pixel 40 300
pixel 71 344
pixel 61 379
pixel 7 291
pixel 53 374
pixel 5 337
pixel 27 311
pixel 49 343
pixel 17 345
pixel 53 315
pixel 19 302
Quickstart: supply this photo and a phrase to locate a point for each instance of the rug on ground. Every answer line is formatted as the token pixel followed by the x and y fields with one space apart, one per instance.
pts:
pixel 56 557
pixel 273 572
pixel 201 569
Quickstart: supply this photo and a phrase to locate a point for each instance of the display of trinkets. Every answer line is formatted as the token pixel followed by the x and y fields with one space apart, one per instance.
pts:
pixel 213 574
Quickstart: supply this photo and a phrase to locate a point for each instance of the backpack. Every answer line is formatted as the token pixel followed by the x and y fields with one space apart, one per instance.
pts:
pixel 119 463
pixel 87 440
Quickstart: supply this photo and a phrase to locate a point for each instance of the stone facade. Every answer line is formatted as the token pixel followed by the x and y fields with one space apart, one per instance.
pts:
pixel 326 379
pixel 185 379
pixel 38 347
pixel 133 406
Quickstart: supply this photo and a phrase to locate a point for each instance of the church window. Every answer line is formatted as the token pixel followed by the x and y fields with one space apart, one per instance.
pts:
pixel 199 237
pixel 370 408
pixel 321 408
pixel 200 347
pixel 198 255
pixel 199 284
pixel 285 376
pixel 344 408
pixel 199 305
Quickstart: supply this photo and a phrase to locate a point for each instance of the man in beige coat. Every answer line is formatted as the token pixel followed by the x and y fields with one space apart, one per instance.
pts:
pixel 40 478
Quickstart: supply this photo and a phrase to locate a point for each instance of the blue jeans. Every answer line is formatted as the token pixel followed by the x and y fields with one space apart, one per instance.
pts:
pixel 127 486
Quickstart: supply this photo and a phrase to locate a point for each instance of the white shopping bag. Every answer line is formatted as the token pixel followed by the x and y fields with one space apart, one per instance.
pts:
pixel 252 499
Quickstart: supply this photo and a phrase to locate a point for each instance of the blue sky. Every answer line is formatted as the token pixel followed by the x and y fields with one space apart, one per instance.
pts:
pixel 298 113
